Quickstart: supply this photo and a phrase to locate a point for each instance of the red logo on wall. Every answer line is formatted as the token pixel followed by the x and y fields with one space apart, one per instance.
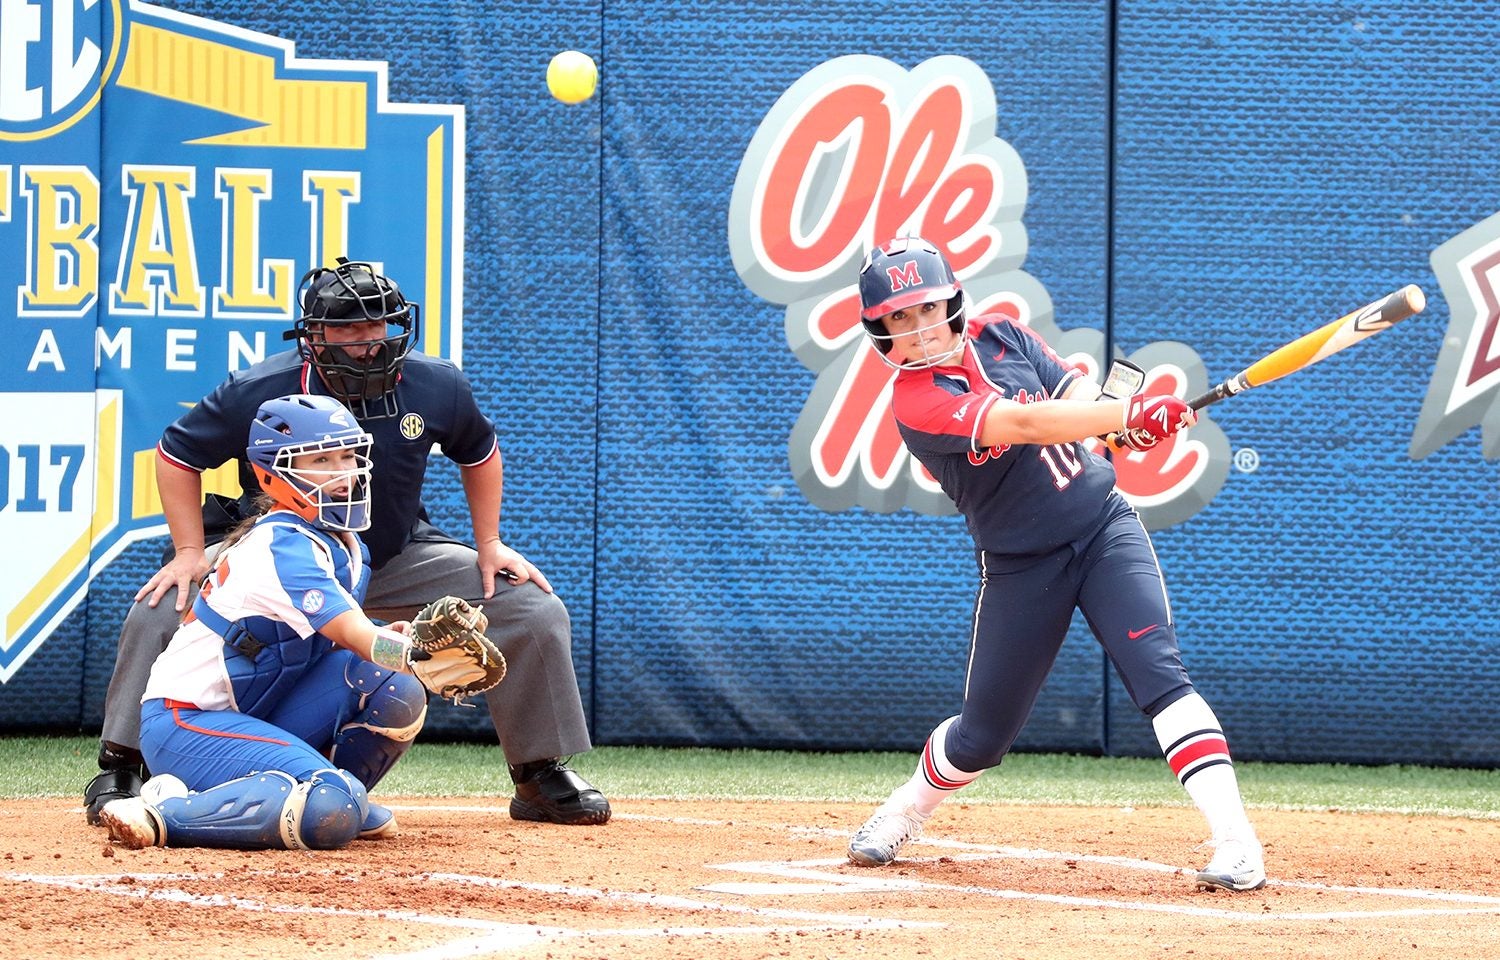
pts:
pixel 860 150
pixel 1465 388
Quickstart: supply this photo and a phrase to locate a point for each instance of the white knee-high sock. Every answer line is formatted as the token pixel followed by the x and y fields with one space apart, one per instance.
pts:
pixel 1195 748
pixel 935 777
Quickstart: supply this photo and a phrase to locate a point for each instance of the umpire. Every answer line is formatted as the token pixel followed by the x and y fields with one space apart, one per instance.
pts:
pixel 354 343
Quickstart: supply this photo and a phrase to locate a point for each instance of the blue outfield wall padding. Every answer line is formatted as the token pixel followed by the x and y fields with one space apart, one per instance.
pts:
pixel 1279 166
pixel 732 611
pixel 1199 182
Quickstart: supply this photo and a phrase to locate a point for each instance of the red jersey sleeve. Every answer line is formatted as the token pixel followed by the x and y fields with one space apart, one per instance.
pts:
pixel 942 409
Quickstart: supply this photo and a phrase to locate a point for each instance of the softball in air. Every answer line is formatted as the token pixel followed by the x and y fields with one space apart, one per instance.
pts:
pixel 572 76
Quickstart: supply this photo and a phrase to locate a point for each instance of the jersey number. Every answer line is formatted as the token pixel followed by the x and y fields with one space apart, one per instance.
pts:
pixel 1063 461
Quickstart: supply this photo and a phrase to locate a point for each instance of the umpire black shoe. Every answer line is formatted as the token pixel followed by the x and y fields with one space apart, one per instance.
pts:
pixel 121 774
pixel 547 791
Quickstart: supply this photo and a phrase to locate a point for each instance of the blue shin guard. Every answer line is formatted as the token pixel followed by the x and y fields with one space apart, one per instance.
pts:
pixel 266 811
pixel 392 708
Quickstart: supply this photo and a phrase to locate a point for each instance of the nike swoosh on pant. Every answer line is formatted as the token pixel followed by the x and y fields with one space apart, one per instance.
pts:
pixel 1137 634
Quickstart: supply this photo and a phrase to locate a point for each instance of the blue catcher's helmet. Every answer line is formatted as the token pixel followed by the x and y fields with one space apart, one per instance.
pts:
pixel 285 433
pixel 903 273
pixel 362 373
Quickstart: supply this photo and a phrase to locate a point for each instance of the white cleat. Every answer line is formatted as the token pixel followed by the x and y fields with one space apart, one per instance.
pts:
pixel 1237 865
pixel 133 823
pixel 161 787
pixel 877 842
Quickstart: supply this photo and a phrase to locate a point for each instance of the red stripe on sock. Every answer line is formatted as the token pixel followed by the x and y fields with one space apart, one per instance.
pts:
pixel 929 768
pixel 1206 747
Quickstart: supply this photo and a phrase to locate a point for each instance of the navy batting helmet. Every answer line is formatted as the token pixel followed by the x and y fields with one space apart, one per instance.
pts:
pixel 330 495
pixel 903 273
pixel 362 372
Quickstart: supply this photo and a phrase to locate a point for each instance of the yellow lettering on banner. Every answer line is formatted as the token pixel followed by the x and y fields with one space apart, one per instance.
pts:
pixel 252 287
pixel 432 304
pixel 157 248
pixel 331 193
pixel 145 498
pixel 5 192
pixel 223 480
pixel 63 248
pixel 271 112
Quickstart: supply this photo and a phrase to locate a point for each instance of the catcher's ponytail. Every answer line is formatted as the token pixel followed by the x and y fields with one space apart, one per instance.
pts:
pixel 262 504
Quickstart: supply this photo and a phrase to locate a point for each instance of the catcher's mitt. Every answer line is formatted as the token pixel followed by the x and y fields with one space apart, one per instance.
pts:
pixel 450 653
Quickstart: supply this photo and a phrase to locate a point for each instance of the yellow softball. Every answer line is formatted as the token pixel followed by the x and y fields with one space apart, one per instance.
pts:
pixel 572 76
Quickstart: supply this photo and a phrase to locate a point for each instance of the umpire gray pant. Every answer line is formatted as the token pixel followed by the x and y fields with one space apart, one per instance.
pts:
pixel 536 709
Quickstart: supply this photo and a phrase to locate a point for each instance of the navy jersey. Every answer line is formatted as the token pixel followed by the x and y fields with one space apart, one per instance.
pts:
pixel 436 406
pixel 1017 499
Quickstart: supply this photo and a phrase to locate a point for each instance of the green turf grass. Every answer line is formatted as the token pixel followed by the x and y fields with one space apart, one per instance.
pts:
pixel 60 766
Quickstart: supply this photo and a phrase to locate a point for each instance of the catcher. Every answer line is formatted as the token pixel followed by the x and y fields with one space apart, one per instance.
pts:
pixel 279 703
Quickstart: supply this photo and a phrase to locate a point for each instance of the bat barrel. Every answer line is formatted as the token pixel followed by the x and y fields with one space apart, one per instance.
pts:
pixel 1416 300
pixel 1321 343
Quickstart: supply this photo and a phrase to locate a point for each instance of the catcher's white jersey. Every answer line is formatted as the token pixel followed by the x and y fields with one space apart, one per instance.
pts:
pixel 253 628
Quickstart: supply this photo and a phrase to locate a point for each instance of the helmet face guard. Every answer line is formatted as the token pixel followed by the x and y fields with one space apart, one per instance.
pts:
pixel 287 428
pixel 904 273
pixel 361 373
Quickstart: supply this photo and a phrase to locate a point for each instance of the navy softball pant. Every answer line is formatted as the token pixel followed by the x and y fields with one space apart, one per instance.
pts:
pixel 1021 618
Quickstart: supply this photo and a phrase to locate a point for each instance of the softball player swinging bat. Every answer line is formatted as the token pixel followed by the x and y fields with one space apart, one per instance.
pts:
pixel 998 418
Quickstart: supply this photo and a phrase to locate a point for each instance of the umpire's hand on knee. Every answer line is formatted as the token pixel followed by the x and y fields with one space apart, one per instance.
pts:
pixel 187 567
pixel 496 559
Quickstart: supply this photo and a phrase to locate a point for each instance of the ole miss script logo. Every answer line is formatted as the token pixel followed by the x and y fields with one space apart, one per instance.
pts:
pixel 860 150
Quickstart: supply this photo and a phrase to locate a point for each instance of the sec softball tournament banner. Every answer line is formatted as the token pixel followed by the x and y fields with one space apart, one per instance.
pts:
pixel 166 181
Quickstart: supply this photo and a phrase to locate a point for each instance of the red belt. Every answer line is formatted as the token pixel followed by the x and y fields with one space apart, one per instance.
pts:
pixel 179 705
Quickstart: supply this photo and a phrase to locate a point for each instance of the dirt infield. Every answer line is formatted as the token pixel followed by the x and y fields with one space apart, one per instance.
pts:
pixel 675 880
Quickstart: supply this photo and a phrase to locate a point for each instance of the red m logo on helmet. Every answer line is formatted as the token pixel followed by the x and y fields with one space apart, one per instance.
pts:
pixel 904 276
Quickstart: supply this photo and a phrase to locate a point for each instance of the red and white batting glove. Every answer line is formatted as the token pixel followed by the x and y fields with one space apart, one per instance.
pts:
pixel 1138 440
pixel 1160 415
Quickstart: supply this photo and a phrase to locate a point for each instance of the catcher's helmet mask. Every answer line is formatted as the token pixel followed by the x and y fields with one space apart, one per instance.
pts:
pixel 288 427
pixel 901 274
pixel 361 373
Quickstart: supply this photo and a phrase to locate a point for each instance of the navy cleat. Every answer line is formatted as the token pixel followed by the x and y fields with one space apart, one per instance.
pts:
pixel 379 823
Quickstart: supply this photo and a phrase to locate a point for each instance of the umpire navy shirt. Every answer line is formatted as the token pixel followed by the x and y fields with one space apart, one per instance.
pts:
pixel 436 406
pixel 1017 499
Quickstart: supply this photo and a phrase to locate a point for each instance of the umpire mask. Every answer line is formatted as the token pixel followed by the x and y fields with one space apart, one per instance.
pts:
pixel 356 328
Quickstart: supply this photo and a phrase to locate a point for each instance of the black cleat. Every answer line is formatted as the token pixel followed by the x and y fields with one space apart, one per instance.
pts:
pixel 548 792
pixel 109 785
pixel 122 772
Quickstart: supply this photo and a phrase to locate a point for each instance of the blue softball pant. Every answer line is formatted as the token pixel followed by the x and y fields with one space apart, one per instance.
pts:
pixel 208 747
